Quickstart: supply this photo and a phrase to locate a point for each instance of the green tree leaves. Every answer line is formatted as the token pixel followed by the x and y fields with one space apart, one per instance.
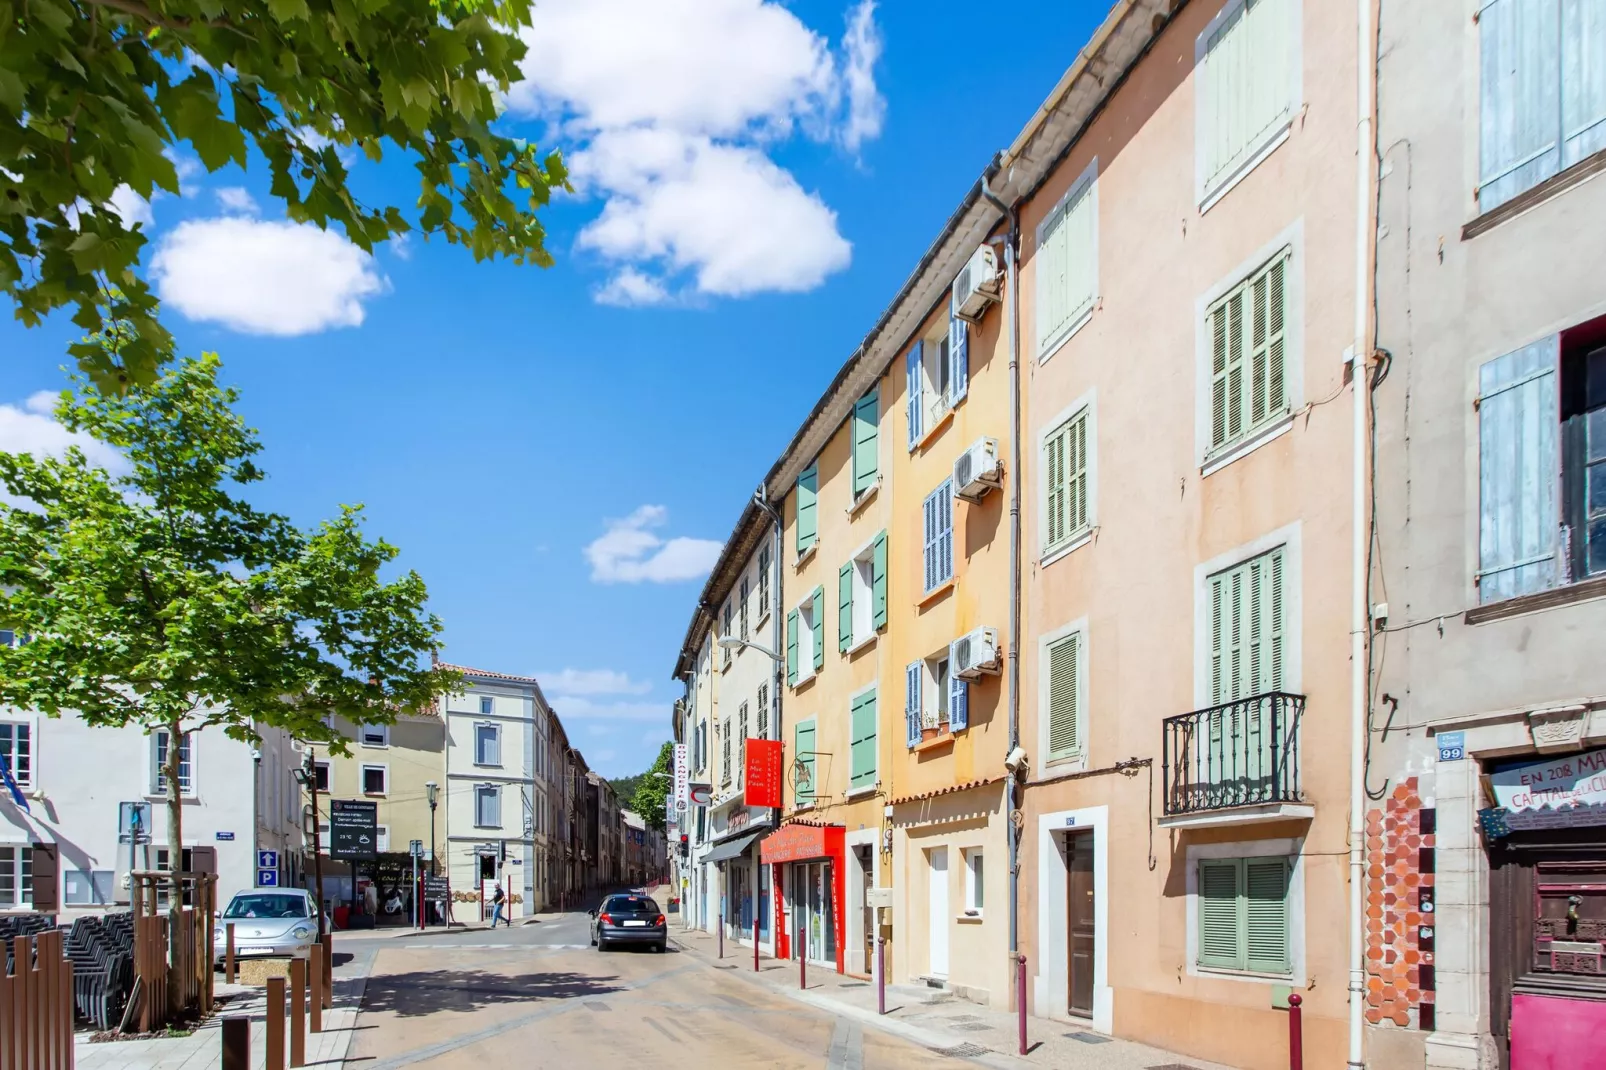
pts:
pixel 94 93
pixel 652 790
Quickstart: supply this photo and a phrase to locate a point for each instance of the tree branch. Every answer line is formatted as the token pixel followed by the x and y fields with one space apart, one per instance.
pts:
pixel 140 11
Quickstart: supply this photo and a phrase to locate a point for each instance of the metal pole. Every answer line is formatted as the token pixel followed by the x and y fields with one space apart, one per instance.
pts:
pixel 1296 1035
pixel 416 897
pixel 802 965
pixel 755 934
pixel 317 838
pixel 721 934
pixel 1020 999
pixel 881 973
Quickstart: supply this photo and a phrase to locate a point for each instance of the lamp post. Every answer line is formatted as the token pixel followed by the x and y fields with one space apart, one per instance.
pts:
pixel 431 792
pixel 307 777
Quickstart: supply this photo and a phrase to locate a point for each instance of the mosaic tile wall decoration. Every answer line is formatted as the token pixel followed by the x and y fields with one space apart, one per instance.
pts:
pixel 1399 910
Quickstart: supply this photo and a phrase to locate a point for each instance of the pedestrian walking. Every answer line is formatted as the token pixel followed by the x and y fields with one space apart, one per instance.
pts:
pixel 497 901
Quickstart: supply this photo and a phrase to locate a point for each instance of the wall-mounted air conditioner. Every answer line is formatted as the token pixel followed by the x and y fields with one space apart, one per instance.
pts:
pixel 977 284
pixel 974 654
pixel 978 470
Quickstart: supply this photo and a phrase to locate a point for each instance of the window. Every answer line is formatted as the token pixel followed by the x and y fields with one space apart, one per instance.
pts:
pixel 1067 264
pixel 1543 100
pixel 862 595
pixel 1246 628
pixel 86 888
pixel 808 505
pixel 1245 329
pixel 725 662
pixel 725 752
pixel 763 581
pixel 741 741
pixel 375 779
pixel 866 444
pixel 939 536
pixel 1243 914
pixel 938 372
pixel 1067 514
pixel 974 881
pixel 16 878
pixel 186 785
pixel 803 767
pixel 487 705
pixel 1062 690
pixel 320 775
pixel 862 725
pixel 935 699
pixel 16 751
pixel 487 806
pixel 763 731
pixel 487 744
pixel 805 639
pixel 743 603
pixel 381 837
pixel 378 735
pixel 1248 88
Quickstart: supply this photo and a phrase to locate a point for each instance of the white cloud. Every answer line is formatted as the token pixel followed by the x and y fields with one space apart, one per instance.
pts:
pixel 237 199
pixel 259 277
pixel 131 207
pixel 630 552
pixel 592 682
pixel 31 428
pixel 671 108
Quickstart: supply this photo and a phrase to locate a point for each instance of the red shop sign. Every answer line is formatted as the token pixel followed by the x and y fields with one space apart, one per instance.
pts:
pixel 794 843
pixel 763 772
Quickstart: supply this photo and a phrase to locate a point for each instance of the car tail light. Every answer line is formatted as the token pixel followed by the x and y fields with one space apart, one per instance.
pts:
pixel 605 919
pixel 659 920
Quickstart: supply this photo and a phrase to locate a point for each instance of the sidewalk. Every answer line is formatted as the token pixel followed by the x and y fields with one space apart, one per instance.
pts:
pixel 939 1020
pixel 203 1049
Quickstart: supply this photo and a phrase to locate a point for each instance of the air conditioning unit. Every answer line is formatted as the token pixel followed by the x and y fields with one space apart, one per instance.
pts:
pixel 977 285
pixel 977 470
pixel 975 654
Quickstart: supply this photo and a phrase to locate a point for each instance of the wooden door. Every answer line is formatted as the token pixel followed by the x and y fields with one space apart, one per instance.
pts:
pixel 1079 906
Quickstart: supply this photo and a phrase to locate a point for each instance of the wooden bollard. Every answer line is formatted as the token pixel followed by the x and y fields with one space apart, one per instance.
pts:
pixel 298 1012
pixel 228 953
pixel 237 1042
pixel 317 988
pixel 275 1036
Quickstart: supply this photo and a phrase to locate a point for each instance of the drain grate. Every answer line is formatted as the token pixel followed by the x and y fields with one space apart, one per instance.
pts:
pixel 855 984
pixel 973 1027
pixel 966 1050
pixel 1094 1038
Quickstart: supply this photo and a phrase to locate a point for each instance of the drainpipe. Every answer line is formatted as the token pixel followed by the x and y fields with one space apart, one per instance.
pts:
pixel 1012 316
pixel 1359 682
pixel 773 715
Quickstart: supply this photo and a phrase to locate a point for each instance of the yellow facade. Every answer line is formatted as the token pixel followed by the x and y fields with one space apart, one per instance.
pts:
pixel 413 754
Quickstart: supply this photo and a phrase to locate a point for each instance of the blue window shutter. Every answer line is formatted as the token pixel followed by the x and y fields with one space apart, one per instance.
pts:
pixel 807 506
pixel 958 703
pixel 1518 517
pixel 866 447
pixel 959 359
pixel 819 628
pixel 1520 108
pixel 878 582
pixel 911 709
pixel 844 616
pixel 916 406
pixel 791 648
pixel 945 514
pixel 1583 79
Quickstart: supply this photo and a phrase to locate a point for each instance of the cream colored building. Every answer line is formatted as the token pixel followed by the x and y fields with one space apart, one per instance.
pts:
pixel 392 765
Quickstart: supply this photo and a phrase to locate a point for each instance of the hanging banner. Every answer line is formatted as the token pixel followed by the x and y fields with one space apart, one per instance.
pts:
pixel 763 772
pixel 1560 793
pixel 682 779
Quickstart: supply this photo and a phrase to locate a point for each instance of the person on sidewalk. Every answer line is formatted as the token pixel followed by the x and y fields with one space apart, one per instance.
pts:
pixel 497 901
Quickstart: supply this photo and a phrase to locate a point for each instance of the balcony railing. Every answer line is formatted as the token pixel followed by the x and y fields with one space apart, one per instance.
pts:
pixel 1243 753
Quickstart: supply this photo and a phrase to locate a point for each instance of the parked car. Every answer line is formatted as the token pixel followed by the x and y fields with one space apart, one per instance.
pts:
pixel 629 919
pixel 267 921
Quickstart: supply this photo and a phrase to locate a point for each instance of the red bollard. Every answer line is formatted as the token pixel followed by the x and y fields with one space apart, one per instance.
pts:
pixel 881 974
pixel 755 940
pixel 803 965
pixel 1296 1035
pixel 722 934
pixel 1020 1000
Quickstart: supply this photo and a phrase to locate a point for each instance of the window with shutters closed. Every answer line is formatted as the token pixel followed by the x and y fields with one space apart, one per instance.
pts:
pixel 1247 628
pixel 1247 74
pixel 807 496
pixel 862 726
pixel 801 768
pixel 1246 331
pixel 725 752
pixel 938 525
pixel 866 441
pixel 1063 690
pixel 1066 264
pixel 1067 490
pixel 1542 92
pixel 1244 921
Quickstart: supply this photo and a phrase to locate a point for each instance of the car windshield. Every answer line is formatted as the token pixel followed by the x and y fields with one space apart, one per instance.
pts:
pixel 630 904
pixel 267 906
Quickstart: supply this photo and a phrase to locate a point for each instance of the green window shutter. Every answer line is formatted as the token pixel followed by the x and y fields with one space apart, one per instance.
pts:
pixel 1266 394
pixel 844 617
pixel 863 721
pixel 1055 520
pixel 1248 345
pixel 1063 695
pixel 878 583
pixel 1266 915
pixel 807 505
pixel 1247 629
pixel 819 628
pixel 1220 916
pixel 1076 474
pixel 866 458
pixel 803 752
pixel 791 648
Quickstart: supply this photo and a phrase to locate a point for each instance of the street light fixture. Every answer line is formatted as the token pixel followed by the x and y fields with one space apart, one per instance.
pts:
pixel 431 791
pixel 730 642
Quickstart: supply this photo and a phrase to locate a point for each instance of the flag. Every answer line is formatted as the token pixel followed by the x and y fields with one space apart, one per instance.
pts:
pixel 16 792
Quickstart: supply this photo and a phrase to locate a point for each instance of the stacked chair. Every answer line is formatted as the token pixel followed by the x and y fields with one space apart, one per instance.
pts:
pixel 102 952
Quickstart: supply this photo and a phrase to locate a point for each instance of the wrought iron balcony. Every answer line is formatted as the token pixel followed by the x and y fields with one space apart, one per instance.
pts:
pixel 1243 753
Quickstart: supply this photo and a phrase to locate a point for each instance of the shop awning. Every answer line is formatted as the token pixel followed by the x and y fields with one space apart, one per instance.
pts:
pixel 724 852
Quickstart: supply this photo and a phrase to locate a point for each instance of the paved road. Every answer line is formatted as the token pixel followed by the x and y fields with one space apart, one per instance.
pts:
pixel 539 995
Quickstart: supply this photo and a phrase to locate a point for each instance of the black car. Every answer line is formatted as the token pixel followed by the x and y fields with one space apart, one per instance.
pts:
pixel 629 919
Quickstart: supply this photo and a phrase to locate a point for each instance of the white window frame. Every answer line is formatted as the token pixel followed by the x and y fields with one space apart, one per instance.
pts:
pixel 1294 850
pixel 22 892
pixel 1078 760
pixel 27 778
pixel 934 690
pixel 495 792
pixel 805 640
pixel 936 363
pixel 1206 193
pixel 1289 538
pixel 1076 539
pixel 487 705
pixel 975 861
pixel 362 773
pixel 863 579
pixel 158 779
pixel 496 740
pixel 379 732
pixel 1049 342
pixel 328 775
pixel 1208 459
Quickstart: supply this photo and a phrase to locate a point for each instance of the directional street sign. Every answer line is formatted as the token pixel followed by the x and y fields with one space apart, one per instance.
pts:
pixel 416 848
pixel 268 860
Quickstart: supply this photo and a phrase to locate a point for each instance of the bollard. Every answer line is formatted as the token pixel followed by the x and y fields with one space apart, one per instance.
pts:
pixel 236 1035
pixel 881 974
pixel 228 954
pixel 1020 999
pixel 1296 1034
pixel 298 1012
pixel 328 970
pixel 722 934
pixel 803 964
pixel 755 941
pixel 316 970
pixel 274 1041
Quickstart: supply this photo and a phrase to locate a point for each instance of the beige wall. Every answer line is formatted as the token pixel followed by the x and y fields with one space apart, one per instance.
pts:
pixel 1159 522
pixel 416 755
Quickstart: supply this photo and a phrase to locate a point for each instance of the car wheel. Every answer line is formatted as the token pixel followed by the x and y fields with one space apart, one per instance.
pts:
pixel 602 945
pixel 661 947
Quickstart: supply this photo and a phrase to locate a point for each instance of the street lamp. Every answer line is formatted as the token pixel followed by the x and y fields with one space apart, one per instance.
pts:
pixel 431 791
pixel 730 642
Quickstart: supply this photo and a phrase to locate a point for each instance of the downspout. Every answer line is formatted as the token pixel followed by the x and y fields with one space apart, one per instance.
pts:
pixel 1360 528
pixel 773 714
pixel 1012 647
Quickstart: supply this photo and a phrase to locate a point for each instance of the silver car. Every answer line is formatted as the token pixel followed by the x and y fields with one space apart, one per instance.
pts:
pixel 267 921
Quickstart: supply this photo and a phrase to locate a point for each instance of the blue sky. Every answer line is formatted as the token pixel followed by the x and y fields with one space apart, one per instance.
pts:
pixel 758 180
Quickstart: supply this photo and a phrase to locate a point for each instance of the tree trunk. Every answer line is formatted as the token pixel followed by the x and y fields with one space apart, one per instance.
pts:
pixel 175 855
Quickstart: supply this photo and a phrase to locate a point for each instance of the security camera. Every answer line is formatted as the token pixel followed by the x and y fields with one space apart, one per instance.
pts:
pixel 1016 761
pixel 256 755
